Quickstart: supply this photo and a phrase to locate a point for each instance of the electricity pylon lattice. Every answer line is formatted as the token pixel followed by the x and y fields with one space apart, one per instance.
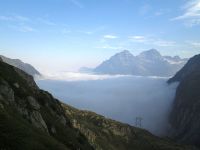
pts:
pixel 138 122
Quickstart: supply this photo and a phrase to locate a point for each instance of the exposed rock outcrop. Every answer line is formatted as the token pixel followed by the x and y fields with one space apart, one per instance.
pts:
pixel 34 104
pixel 6 92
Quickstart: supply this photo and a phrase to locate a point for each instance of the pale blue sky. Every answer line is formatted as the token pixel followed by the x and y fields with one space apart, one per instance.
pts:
pixel 61 35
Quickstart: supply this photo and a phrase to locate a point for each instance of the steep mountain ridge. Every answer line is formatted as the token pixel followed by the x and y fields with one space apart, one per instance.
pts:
pixel 191 67
pixel 185 115
pixel 147 63
pixel 21 65
pixel 32 119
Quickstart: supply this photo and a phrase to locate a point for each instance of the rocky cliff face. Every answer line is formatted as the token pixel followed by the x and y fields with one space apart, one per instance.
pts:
pixel 185 115
pixel 32 119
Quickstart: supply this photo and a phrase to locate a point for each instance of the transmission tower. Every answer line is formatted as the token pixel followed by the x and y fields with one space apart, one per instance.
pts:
pixel 138 122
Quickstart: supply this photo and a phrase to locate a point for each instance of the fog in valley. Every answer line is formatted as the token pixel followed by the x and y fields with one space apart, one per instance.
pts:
pixel 122 98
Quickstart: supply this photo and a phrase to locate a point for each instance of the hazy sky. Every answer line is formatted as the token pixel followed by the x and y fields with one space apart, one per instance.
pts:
pixel 66 34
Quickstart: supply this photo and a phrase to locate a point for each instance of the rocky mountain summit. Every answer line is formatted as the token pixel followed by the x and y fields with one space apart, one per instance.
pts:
pixel 185 115
pixel 33 119
pixel 21 65
pixel 147 63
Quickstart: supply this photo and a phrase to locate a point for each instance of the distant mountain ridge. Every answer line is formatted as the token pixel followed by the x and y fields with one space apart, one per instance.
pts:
pixel 21 65
pixel 147 63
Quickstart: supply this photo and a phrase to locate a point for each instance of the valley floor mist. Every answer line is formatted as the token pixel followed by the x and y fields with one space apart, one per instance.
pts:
pixel 123 98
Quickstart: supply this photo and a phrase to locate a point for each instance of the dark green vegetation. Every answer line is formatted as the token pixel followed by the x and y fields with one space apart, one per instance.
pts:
pixel 32 119
pixel 185 115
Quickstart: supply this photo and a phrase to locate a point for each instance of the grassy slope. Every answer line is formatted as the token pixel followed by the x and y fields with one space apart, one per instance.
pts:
pixel 108 134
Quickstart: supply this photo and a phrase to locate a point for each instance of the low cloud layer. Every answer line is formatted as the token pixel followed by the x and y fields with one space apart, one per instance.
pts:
pixel 122 98
pixel 76 76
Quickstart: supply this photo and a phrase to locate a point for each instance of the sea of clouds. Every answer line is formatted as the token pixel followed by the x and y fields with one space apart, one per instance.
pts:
pixel 119 97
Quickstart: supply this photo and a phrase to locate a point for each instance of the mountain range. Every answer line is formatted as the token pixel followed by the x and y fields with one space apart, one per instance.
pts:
pixel 21 65
pixel 147 63
pixel 33 119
